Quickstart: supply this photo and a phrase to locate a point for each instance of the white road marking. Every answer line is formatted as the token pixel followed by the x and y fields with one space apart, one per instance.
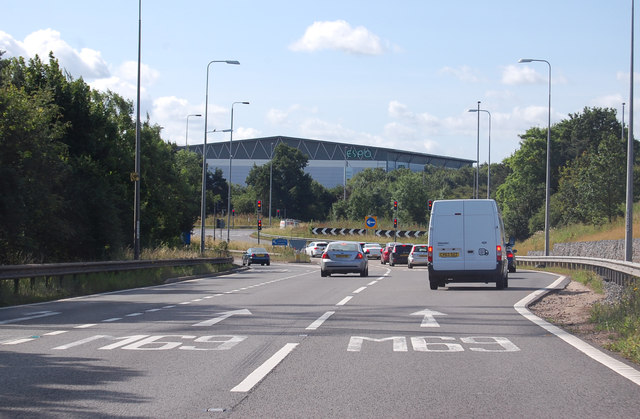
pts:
pixel 57 332
pixel 133 314
pixel 621 368
pixel 113 319
pixel 345 300
pixel 372 283
pixel 316 324
pixel 259 373
pixel 359 290
pixel 428 319
pixel 84 326
pixel 18 341
pixel 223 316
pixel 29 316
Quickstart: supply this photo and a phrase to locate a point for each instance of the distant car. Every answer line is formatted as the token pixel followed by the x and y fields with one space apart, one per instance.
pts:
pixel 372 250
pixel 386 251
pixel 400 254
pixel 511 257
pixel 419 256
pixel 343 257
pixel 315 249
pixel 256 255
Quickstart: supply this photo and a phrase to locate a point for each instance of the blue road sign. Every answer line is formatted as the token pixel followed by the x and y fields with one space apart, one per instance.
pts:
pixel 279 242
pixel 370 221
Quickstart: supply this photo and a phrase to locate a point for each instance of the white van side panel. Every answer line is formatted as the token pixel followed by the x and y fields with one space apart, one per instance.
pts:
pixel 447 231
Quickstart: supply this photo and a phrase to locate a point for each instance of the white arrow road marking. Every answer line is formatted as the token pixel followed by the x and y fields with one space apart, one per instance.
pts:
pixel 223 316
pixel 428 320
pixel 30 316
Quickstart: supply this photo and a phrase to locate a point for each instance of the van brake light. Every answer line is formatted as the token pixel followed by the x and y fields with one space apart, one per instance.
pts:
pixel 499 253
pixel 430 254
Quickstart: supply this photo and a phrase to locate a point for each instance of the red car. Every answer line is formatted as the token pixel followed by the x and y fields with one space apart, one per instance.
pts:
pixel 384 258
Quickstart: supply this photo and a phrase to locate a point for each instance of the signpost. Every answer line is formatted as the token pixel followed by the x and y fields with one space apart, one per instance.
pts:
pixel 370 221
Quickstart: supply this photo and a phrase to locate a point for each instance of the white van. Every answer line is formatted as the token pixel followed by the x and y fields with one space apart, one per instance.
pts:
pixel 466 243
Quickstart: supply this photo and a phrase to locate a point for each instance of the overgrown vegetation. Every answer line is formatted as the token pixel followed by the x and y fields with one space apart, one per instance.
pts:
pixel 623 318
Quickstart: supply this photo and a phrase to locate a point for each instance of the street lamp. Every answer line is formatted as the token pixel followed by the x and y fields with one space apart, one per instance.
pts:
pixel 229 178
pixel 186 135
pixel 204 154
pixel 270 182
pixel 476 188
pixel 548 175
pixel 489 158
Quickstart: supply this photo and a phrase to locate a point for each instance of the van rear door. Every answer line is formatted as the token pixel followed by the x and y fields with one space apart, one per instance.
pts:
pixel 448 236
pixel 480 231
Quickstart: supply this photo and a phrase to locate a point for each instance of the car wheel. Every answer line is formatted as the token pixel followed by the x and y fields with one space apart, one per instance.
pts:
pixel 410 266
pixel 268 263
pixel 500 282
pixel 391 262
pixel 365 272
pixel 433 285
pixel 244 262
pixel 322 273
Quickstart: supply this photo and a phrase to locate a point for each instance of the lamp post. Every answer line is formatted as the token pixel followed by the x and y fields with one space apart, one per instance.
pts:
pixel 622 131
pixel 204 154
pixel 270 182
pixel 476 189
pixel 548 175
pixel 186 135
pixel 489 157
pixel 628 218
pixel 135 176
pixel 229 178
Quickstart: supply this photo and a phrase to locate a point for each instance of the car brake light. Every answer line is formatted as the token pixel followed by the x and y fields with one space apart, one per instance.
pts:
pixel 499 253
pixel 509 255
pixel 359 256
pixel 430 253
pixel 325 255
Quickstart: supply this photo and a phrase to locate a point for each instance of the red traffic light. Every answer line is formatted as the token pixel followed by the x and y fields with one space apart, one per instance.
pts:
pixel 430 204
pixel 395 205
pixel 395 223
pixel 259 224
pixel 259 205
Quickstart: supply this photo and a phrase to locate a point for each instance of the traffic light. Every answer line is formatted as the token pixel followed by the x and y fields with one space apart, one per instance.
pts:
pixel 395 223
pixel 233 213
pixel 430 204
pixel 259 205
pixel 259 224
pixel 395 205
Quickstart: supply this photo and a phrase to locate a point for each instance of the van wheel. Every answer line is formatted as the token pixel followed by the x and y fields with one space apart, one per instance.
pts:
pixel 500 283
pixel 433 285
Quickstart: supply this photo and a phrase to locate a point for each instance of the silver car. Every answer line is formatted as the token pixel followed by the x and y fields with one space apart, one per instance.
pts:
pixel 419 256
pixel 372 250
pixel 343 257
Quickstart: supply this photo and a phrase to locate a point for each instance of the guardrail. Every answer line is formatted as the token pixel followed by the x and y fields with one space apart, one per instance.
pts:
pixel 61 269
pixel 621 272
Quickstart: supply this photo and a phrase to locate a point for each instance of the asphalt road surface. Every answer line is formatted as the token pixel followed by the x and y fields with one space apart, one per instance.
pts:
pixel 280 341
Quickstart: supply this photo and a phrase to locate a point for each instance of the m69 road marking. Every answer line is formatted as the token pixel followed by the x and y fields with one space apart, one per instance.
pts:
pixel 442 343
pixel 161 342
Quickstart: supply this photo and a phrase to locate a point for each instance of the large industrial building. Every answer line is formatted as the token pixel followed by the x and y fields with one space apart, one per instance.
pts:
pixel 330 163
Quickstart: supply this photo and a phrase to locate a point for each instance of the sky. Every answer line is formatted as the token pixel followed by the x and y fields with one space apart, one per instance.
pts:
pixel 398 74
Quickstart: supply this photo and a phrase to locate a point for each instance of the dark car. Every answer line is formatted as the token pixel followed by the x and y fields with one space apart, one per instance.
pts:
pixel 256 255
pixel 386 251
pixel 400 253
pixel 511 257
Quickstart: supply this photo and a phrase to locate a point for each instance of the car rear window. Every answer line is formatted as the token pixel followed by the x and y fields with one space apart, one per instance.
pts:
pixel 420 249
pixel 403 248
pixel 345 247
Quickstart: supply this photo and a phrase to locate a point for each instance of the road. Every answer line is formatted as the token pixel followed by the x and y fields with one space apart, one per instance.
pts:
pixel 280 341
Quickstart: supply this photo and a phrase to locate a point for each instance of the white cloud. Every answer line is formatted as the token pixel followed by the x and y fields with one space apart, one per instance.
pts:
pixel 521 74
pixel 12 47
pixel 86 63
pixel 339 35
pixel 281 117
pixel 463 73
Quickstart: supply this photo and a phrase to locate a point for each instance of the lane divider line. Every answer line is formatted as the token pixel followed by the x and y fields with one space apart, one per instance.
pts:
pixel 613 364
pixel 345 300
pixel 259 373
pixel 316 324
